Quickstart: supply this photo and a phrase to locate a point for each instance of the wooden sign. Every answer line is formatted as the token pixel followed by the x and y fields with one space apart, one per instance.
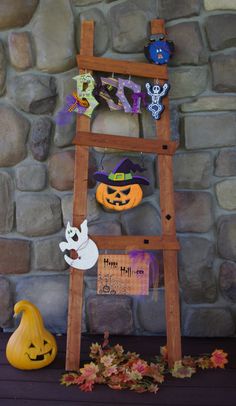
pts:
pixel 121 275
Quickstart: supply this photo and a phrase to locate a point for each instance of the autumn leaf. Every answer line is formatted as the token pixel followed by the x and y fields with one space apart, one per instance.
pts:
pixel 69 379
pixel 164 352
pixel 87 386
pixel 181 371
pixel 89 371
pixel 204 362
pixel 95 350
pixel 219 358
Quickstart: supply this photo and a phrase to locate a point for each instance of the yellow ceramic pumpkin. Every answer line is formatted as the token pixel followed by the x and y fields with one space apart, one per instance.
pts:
pixel 119 197
pixel 31 346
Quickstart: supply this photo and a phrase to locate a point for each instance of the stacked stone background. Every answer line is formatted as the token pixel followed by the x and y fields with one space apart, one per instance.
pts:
pixel 39 40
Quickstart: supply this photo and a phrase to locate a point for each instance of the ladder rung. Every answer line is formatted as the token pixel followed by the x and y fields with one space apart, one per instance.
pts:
pixel 146 70
pixel 144 242
pixel 125 143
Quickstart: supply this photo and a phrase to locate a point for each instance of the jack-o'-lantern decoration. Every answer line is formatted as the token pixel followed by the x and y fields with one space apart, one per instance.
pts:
pixel 31 346
pixel 120 190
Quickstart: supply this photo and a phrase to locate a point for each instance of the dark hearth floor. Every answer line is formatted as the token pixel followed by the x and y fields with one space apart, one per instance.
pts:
pixel 42 387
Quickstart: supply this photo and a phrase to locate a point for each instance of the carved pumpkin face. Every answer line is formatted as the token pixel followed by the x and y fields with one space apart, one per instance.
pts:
pixel 119 197
pixel 40 353
pixel 31 346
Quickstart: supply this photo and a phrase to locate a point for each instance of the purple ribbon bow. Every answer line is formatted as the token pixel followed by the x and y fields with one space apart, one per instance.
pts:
pixel 64 116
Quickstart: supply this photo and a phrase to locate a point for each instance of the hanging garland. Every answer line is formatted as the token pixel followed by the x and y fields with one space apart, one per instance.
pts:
pixel 158 51
pixel 88 94
pixel 118 369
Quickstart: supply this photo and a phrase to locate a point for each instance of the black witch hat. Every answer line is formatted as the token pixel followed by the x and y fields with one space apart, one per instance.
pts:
pixel 121 174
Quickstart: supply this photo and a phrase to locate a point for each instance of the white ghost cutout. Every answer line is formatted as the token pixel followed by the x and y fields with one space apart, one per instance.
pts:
pixel 86 249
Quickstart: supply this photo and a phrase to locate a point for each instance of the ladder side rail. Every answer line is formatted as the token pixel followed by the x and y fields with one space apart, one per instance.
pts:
pixel 75 303
pixel 165 173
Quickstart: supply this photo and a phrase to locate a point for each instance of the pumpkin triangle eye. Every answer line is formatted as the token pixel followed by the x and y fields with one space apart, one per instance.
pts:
pixel 45 342
pixel 126 191
pixel 32 345
pixel 110 190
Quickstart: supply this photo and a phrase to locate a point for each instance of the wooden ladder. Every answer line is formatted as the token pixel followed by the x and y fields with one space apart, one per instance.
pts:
pixel 164 148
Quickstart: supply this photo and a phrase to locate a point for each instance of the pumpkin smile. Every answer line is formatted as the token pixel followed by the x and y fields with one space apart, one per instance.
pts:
pixel 119 198
pixel 117 202
pixel 40 357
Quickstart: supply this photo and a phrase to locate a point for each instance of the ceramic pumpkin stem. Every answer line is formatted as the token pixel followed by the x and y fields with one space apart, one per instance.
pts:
pixel 31 346
pixel 30 317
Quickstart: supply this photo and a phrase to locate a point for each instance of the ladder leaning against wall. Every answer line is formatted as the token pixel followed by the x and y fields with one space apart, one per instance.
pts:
pixel 164 148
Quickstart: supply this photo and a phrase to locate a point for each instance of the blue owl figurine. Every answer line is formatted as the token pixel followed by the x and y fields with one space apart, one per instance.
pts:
pixel 159 50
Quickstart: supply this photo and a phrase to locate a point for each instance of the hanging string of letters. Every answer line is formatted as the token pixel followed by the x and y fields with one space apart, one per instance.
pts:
pixel 114 90
pixel 89 94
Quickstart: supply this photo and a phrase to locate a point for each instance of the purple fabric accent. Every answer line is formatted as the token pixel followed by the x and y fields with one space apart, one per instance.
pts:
pixel 137 98
pixel 122 83
pixel 138 255
pixel 80 109
pixel 64 117
pixel 70 99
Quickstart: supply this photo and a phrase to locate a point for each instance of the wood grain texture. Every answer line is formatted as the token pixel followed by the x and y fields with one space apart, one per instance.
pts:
pixel 125 143
pixel 165 172
pixel 158 26
pixel 75 304
pixel 172 307
pixel 82 153
pixel 130 242
pixel 74 320
pixel 80 185
pixel 139 69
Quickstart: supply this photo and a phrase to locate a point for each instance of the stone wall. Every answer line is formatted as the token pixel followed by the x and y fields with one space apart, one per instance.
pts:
pixel 39 40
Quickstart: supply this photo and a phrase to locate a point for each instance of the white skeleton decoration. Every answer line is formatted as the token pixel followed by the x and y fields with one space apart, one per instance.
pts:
pixel 86 249
pixel 157 93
